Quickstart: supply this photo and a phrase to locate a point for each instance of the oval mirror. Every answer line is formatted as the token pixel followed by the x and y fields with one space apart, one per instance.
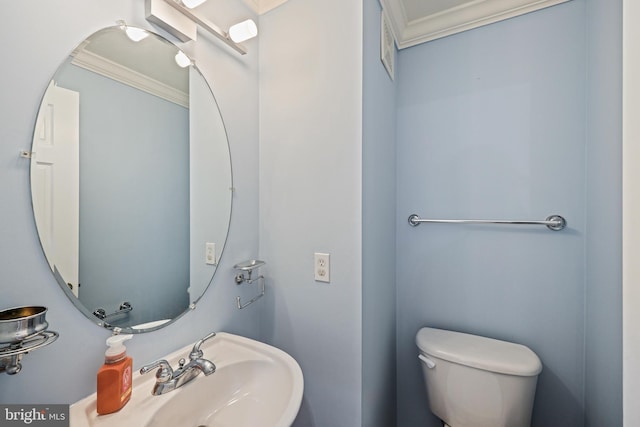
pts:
pixel 130 179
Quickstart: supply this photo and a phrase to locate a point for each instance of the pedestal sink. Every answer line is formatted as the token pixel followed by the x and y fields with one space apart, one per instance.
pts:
pixel 254 385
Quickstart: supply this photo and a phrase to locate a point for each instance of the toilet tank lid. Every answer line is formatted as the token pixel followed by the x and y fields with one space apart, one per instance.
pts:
pixel 479 352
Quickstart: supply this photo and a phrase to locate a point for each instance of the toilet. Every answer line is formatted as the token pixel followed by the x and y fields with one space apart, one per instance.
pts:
pixel 474 381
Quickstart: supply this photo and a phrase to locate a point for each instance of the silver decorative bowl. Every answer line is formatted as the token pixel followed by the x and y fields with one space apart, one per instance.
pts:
pixel 20 323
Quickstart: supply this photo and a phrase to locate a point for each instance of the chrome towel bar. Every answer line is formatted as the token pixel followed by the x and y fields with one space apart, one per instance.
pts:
pixel 553 222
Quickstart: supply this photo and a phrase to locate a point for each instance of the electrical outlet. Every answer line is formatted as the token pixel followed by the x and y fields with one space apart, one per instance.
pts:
pixel 321 267
pixel 210 253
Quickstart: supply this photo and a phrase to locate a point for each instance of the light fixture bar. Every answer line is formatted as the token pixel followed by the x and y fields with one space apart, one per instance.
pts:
pixel 207 26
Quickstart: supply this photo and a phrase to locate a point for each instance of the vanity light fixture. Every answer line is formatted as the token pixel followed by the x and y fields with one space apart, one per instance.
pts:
pixel 182 60
pixel 244 30
pixel 135 34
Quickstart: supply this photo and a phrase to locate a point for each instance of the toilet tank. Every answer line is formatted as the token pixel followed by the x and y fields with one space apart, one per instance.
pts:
pixel 475 381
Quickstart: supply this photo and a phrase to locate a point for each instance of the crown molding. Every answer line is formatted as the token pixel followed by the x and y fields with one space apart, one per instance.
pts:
pixel 105 67
pixel 472 14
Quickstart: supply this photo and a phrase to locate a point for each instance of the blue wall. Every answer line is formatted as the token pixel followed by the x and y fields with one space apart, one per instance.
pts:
pixel 603 297
pixel 378 230
pixel 128 193
pixel 491 124
pixel 311 198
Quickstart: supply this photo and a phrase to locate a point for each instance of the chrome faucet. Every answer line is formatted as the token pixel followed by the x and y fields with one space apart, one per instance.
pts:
pixel 168 380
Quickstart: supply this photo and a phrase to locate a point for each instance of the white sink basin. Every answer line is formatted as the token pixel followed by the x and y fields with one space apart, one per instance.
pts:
pixel 254 385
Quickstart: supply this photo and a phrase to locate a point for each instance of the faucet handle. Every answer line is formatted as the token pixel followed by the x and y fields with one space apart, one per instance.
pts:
pixel 195 351
pixel 164 374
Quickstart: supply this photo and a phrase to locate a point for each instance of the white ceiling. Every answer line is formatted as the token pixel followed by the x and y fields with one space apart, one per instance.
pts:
pixel 418 9
pixel 419 21
pixel 264 6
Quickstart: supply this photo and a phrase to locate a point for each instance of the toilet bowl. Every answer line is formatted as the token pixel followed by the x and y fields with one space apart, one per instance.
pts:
pixel 474 381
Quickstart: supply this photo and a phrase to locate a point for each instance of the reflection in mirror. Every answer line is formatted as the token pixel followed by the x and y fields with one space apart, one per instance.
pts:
pixel 130 179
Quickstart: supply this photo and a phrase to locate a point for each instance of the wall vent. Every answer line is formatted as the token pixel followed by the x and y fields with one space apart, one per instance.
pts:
pixel 387 45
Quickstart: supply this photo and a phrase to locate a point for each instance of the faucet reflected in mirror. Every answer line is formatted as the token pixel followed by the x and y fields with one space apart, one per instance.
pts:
pixel 168 380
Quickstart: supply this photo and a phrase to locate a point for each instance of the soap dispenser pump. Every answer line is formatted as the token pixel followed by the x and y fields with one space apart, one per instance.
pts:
pixel 114 377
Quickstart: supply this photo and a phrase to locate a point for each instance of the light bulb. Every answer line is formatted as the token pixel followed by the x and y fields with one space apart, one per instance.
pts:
pixel 136 34
pixel 242 31
pixel 192 3
pixel 182 60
